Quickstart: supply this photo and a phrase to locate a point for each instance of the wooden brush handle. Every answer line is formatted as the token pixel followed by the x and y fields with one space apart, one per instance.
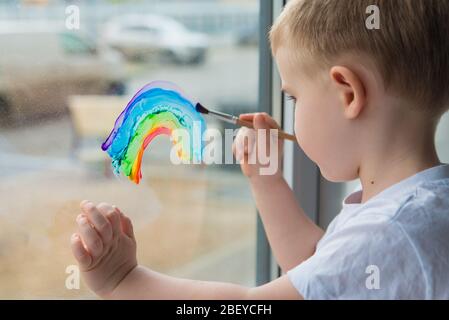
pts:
pixel 282 134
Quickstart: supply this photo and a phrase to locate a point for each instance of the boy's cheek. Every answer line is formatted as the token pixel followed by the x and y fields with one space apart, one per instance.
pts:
pixel 312 130
pixel 305 127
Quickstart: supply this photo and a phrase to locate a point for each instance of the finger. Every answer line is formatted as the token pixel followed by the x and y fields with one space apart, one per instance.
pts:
pixel 79 252
pixel 237 151
pixel 127 226
pixel 270 121
pixel 98 220
pixel 244 142
pixel 263 120
pixel 262 127
pixel 83 203
pixel 247 116
pixel 113 217
pixel 89 236
pixel 247 168
pixel 259 122
pixel 237 146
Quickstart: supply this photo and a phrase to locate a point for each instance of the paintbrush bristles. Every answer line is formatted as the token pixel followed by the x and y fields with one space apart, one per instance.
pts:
pixel 201 109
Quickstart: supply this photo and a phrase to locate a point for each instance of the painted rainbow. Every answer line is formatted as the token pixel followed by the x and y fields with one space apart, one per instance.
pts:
pixel 159 108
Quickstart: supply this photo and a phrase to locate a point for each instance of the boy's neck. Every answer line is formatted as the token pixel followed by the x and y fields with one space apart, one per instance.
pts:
pixel 399 157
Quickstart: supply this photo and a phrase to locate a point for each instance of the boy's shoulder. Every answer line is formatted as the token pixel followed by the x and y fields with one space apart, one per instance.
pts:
pixel 428 203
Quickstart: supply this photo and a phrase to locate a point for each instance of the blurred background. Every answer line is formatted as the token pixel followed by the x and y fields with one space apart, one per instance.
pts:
pixel 62 84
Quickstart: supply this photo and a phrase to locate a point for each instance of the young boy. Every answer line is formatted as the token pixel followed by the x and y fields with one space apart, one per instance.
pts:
pixel 367 105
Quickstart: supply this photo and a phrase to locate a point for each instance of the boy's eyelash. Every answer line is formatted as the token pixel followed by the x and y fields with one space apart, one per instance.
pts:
pixel 289 97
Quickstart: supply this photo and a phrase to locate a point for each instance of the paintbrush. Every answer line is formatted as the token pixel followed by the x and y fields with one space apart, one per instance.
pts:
pixel 236 121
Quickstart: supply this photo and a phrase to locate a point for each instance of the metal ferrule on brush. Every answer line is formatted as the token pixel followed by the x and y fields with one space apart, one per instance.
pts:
pixel 224 116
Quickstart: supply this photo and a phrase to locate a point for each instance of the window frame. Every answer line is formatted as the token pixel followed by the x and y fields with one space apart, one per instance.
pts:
pixel 319 199
pixel 264 256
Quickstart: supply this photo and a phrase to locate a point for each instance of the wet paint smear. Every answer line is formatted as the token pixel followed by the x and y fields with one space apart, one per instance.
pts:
pixel 159 108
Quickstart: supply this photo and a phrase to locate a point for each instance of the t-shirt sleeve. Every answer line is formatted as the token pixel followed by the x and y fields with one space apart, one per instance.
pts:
pixel 362 262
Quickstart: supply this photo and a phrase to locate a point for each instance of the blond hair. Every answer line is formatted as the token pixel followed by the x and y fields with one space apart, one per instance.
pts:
pixel 410 49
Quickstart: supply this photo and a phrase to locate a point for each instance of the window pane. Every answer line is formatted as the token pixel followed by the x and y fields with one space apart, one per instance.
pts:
pixel 56 108
pixel 72 44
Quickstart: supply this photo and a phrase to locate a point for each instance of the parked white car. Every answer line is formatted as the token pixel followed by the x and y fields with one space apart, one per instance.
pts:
pixel 140 37
pixel 42 64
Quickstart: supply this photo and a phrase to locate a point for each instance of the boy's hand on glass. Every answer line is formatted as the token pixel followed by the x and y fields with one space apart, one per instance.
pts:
pixel 104 246
pixel 259 150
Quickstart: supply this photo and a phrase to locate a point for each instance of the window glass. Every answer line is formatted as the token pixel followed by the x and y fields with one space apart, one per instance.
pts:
pixel 73 44
pixel 193 221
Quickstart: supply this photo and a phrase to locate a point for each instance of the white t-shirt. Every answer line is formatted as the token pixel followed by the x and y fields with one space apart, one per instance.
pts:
pixel 394 246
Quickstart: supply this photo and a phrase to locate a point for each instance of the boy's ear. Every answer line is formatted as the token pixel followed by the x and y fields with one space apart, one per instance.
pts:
pixel 351 90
